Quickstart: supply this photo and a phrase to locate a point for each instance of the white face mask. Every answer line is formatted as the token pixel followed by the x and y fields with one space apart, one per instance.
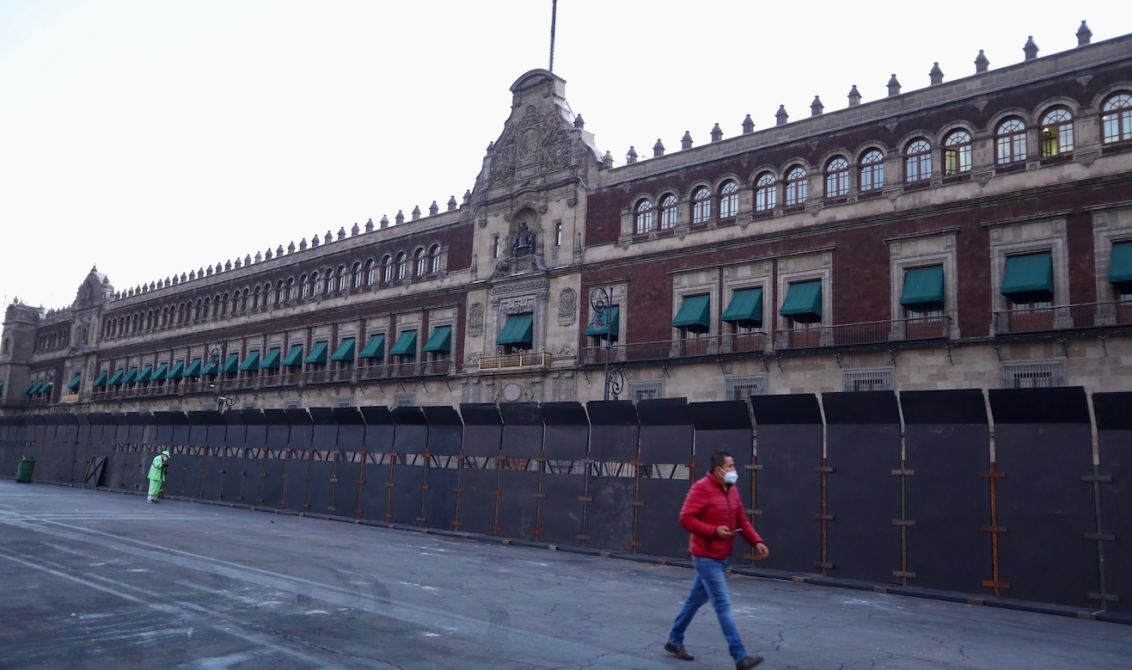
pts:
pixel 730 477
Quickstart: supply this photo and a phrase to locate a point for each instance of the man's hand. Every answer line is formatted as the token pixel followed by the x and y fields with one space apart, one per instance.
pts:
pixel 723 531
pixel 763 552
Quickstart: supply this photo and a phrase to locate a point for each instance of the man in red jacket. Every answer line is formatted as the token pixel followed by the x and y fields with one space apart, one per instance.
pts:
pixel 713 513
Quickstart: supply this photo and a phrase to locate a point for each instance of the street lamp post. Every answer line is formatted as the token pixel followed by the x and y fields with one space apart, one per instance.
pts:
pixel 601 301
pixel 215 354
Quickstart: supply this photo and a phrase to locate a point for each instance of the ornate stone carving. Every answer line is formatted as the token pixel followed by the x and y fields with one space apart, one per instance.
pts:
pixel 1086 158
pixel 534 140
pixel 1084 80
pixel 565 351
pixel 567 307
pixel 891 125
pixel 475 320
pixel 983 177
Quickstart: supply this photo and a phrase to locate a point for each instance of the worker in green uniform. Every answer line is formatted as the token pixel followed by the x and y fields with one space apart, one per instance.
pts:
pixel 157 474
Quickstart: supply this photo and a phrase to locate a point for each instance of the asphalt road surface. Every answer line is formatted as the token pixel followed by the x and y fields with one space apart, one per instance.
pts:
pixel 90 579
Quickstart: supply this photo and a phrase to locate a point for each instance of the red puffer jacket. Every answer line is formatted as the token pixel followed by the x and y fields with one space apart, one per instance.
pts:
pixel 708 507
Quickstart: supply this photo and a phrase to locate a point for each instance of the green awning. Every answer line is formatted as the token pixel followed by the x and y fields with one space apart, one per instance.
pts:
pixel 375 348
pixel 345 350
pixel 406 344
pixel 47 386
pixel 923 286
pixel 318 354
pixel 1 387
pixel 116 379
pixel 441 340
pixel 1121 268
pixel 75 383
pixel 146 375
pixel 803 301
pixel 233 363
pixel 294 357
pixel 178 371
pixel 207 369
pixel 1029 273
pixel 159 375
pixel 31 388
pixel 694 314
pixel 100 381
pixel 598 327
pixel 39 388
pixel 746 308
pixel 518 331
pixel 194 368
pixel 251 363
pixel 271 360
pixel 131 376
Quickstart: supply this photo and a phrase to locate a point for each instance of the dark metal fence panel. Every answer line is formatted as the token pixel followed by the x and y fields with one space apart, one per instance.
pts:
pixel 379 429
pixel 614 430
pixel 1114 438
pixel 445 430
pixel 667 434
pixel 411 436
pixel 522 429
pixel 519 479
pixel 726 425
pixel 483 429
pixel 667 438
pixel 567 431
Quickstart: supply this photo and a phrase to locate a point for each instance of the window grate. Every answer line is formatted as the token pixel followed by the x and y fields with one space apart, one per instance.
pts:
pixel 644 391
pixel 1032 375
pixel 404 399
pixel 742 388
pixel 290 404
pixel 869 380
pixel 344 401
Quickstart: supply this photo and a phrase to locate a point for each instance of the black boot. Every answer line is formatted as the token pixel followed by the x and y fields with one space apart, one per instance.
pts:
pixel 748 662
pixel 678 651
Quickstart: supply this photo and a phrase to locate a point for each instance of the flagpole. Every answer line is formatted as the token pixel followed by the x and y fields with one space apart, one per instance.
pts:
pixel 553 20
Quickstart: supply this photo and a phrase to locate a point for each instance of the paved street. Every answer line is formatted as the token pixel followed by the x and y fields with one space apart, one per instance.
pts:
pixel 99 580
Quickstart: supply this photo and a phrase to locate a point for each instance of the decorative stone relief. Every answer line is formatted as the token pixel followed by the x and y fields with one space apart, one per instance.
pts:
pixel 535 139
pixel 567 307
pixel 981 178
pixel 565 351
pixel 475 320
pixel 1086 158
pixel 980 103
pixel 1084 80
pixel 891 125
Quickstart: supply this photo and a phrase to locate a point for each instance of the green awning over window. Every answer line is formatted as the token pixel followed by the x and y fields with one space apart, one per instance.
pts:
pixel 251 363
pixel 208 369
pixel 923 286
pixel 1121 268
pixel 294 357
pixel 746 308
pixel 441 340
pixel 375 348
pixel 116 379
pixel 146 374
pixel 518 331
pixel 345 350
pixel 271 360
pixel 406 344
pixel 159 375
pixel 47 386
pixel 803 301
pixel 598 327
pixel 37 388
pixel 1029 273
pixel 194 368
pixel 694 314
pixel 318 354
pixel 100 380
pixel 131 376
pixel 75 383
pixel 178 371
pixel 31 388
pixel 233 363
pixel 1 387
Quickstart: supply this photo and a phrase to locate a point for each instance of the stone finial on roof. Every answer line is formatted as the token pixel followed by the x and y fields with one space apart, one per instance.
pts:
pixel 238 264
pixel 248 259
pixel 1084 35
pixel 854 96
pixel 893 86
pixel 1031 49
pixel 209 271
pixel 342 233
pixel 658 148
pixel 780 117
pixel 354 230
pixel 631 157
pixel 192 275
pixel 716 133
pixel 686 141
pixel 303 244
pixel 267 255
pixel 452 204
pixel 748 125
pixel 369 226
pixel 400 218
pixel 936 74
pixel 291 247
pixel 228 264
pixel 816 107
pixel 433 209
pixel 328 238
pixel 129 293
pixel 467 196
pixel 416 213
pixel 315 241
pixel 982 63
pixel 176 280
pixel 579 122
pixel 279 250
pixel 384 221
pixel 219 267
pixel 184 278
pixel 607 160
pixel 258 257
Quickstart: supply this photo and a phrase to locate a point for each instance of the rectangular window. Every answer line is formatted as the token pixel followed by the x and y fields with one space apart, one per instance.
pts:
pixel 1032 375
pixel 495 246
pixel 742 388
pixel 404 399
pixel 644 391
pixel 558 234
pixel 871 380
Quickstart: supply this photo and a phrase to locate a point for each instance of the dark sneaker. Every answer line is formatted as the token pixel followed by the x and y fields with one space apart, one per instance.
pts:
pixel 679 652
pixel 748 663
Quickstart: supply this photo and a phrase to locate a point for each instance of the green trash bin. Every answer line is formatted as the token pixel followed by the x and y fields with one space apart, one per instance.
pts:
pixel 24 470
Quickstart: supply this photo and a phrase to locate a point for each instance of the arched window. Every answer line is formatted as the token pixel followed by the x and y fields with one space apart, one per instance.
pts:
pixel 304 287
pixel 728 200
pixel 316 285
pixel 837 178
pixel 872 171
pixel 668 212
pixel 918 161
pixel 358 275
pixel 386 268
pixel 8 343
pixel 244 301
pixel 371 272
pixel 256 298
pixel 643 215
pixel 291 291
pixel 434 259
pixel 796 186
pixel 1010 142
pixel 402 265
pixel 205 314
pixel 701 205
pixel 343 278
pixel 1116 118
pixel 330 283
pixel 957 153
pixel 766 193
pixel 280 293
pixel 1057 132
pixel 421 261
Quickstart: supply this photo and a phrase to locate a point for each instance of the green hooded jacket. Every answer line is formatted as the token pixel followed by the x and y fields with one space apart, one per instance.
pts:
pixel 157 469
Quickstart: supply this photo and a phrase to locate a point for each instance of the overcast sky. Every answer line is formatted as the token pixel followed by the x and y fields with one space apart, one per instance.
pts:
pixel 151 138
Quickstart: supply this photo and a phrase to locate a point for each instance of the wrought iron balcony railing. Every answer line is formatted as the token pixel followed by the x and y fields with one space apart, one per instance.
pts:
pixel 1064 317
pixel 873 332
pixel 667 349
pixel 520 360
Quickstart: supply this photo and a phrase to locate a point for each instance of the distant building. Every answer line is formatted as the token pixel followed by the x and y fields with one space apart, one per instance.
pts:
pixel 971 234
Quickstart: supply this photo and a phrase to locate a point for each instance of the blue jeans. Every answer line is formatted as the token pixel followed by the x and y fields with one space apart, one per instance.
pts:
pixel 709 585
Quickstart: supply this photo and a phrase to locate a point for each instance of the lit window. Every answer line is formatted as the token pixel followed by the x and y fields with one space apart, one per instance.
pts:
pixel 957 153
pixel 701 205
pixel 1116 119
pixel 837 178
pixel 728 200
pixel 668 212
pixel 1057 132
pixel 872 171
pixel 1010 144
pixel 766 193
pixel 918 161
pixel 644 216
pixel 796 186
